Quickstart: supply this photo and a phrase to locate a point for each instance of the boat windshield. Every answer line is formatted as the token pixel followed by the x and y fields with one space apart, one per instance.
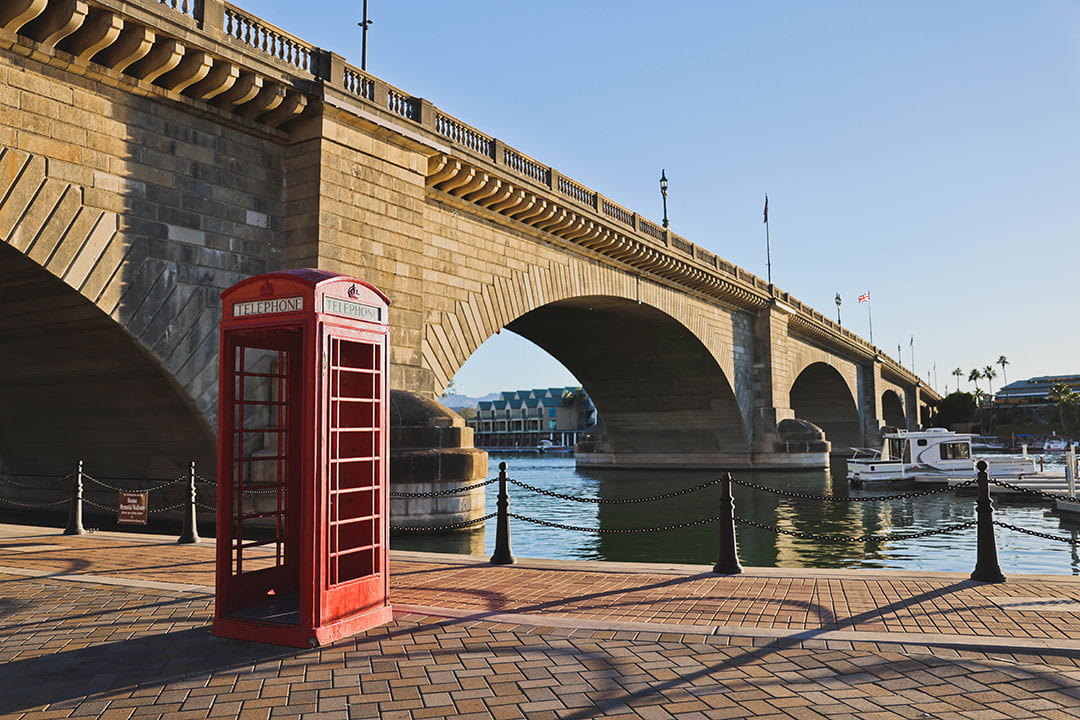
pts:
pixel 955 451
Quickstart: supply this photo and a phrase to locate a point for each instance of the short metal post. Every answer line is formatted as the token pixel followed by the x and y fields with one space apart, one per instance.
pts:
pixel 190 531
pixel 727 562
pixel 74 524
pixel 986 563
pixel 502 555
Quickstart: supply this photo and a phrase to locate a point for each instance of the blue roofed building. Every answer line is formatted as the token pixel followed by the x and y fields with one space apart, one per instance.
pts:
pixel 1035 397
pixel 547 418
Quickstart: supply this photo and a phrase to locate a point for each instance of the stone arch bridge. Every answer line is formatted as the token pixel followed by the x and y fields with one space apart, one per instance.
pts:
pixel 153 153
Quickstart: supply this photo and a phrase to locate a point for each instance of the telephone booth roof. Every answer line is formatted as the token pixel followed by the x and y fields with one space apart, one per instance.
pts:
pixel 312 277
pixel 301 293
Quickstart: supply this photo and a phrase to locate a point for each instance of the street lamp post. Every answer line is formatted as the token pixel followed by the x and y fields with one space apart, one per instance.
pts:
pixel 363 42
pixel 663 194
pixel 838 301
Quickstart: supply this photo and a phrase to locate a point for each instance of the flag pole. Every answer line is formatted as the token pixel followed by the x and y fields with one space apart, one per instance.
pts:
pixel 869 317
pixel 768 243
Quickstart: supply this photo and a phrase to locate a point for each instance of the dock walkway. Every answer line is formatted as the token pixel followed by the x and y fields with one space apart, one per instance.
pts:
pixel 115 625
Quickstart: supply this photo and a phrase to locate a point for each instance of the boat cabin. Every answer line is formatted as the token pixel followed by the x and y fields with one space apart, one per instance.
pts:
pixel 932 446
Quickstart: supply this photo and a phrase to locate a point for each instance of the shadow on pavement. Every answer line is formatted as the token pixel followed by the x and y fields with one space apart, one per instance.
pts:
pixel 142 662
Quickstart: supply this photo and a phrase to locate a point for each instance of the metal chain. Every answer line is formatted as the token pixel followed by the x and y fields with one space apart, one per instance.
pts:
pixel 1045 536
pixel 856 539
pixel 163 485
pixel 177 506
pixel 1030 491
pixel 616 531
pixel 849 498
pixel 455 526
pixel 98 505
pixel 441 493
pixel 601 501
pixel 34 505
pixel 211 508
pixel 7 480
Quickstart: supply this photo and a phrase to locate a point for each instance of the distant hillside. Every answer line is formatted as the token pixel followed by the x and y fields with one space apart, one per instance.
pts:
pixel 460 402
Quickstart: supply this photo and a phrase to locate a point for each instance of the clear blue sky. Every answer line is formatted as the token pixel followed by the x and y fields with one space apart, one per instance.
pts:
pixel 925 151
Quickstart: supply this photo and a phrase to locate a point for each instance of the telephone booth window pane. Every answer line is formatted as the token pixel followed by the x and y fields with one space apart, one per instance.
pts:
pixel 260 466
pixel 355 385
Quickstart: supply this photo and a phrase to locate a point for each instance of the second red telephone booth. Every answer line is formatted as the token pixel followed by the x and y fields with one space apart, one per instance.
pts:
pixel 302 520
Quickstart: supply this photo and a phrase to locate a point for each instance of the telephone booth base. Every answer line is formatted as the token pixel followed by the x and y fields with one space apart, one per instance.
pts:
pixel 302 637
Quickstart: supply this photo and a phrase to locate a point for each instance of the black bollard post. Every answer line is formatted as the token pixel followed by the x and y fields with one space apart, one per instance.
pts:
pixel 986 561
pixel 727 562
pixel 74 523
pixel 190 532
pixel 502 555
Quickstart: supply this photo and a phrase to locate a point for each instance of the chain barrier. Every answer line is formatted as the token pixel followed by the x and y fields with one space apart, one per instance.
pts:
pixel 16 503
pixel 856 538
pixel 177 506
pixel 617 531
pixel 602 501
pixel 442 493
pixel 455 526
pixel 849 498
pixel 1045 536
pixel 1029 491
pixel 106 485
pixel 9 480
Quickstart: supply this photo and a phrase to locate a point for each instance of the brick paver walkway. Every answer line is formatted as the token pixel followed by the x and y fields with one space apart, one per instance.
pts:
pixel 101 626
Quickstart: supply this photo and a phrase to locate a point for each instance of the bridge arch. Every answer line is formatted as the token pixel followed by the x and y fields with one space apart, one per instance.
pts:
pixel 892 409
pixel 74 384
pixel 821 395
pixel 657 388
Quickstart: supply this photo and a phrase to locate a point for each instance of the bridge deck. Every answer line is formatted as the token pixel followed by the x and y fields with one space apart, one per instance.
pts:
pixel 113 625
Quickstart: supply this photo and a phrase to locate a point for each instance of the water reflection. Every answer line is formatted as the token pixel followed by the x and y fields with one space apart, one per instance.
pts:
pixel 953 552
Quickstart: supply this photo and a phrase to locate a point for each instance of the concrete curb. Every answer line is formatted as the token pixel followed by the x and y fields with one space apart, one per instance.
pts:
pixel 766 636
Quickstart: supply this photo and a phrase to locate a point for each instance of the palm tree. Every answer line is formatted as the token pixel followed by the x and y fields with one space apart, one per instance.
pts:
pixel 1003 361
pixel 1064 396
pixel 959 374
pixel 974 376
pixel 989 373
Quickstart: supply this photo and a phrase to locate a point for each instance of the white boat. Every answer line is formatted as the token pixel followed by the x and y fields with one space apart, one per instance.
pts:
pixel 934 453
pixel 547 446
pixel 1054 443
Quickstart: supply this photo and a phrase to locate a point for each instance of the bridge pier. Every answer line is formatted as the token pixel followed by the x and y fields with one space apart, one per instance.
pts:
pixel 431 450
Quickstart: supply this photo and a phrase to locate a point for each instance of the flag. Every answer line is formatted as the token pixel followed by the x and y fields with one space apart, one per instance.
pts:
pixel 865 297
pixel 911 343
pixel 766 212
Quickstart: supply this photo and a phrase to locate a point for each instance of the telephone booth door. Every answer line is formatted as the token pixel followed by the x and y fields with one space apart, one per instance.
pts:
pixel 302 554
pixel 261 420
pixel 357 524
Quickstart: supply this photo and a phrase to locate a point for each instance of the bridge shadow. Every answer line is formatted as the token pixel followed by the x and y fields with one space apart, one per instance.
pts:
pixel 154 661
pixel 760 653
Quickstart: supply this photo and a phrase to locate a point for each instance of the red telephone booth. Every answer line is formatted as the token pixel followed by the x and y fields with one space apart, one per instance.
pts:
pixel 302 518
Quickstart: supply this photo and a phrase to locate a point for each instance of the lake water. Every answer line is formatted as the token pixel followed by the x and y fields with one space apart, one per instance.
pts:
pixel 1017 553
